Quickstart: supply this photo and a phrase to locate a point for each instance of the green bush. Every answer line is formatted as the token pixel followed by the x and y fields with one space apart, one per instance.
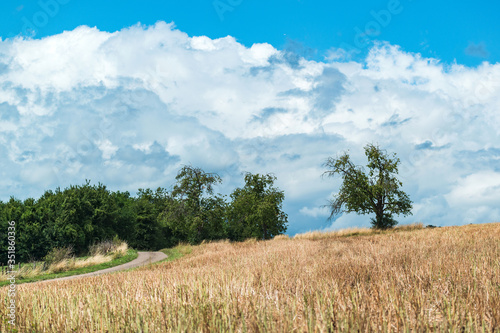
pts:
pixel 58 254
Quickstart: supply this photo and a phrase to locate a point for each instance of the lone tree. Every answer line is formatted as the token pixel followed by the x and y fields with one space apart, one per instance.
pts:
pixel 376 192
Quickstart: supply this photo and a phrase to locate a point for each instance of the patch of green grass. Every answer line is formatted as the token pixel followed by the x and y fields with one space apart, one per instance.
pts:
pixel 177 252
pixel 172 253
pixel 131 255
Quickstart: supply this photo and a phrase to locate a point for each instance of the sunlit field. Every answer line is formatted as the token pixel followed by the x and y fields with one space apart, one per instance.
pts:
pixel 413 279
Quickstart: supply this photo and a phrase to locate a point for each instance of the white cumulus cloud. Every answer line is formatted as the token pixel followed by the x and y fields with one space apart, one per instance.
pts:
pixel 128 108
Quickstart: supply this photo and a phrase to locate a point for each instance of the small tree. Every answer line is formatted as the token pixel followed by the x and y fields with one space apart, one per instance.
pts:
pixel 374 192
pixel 192 184
pixel 197 212
pixel 256 209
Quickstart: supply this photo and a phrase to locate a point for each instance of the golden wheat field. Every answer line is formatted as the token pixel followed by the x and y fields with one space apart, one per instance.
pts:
pixel 442 279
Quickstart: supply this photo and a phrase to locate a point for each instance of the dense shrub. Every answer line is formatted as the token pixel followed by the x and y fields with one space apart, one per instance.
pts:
pixel 58 254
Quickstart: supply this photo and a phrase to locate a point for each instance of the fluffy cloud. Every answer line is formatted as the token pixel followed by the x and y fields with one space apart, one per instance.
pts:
pixel 129 108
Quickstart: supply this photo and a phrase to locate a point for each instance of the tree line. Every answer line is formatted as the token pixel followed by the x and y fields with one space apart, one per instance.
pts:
pixel 82 215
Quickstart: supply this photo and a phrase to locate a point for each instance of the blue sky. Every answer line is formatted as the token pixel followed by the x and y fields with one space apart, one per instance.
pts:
pixel 461 31
pixel 125 93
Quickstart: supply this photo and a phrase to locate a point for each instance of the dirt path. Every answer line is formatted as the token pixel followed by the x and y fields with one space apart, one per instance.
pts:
pixel 144 258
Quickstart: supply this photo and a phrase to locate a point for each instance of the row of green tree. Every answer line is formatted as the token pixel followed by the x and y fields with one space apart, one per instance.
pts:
pixel 80 216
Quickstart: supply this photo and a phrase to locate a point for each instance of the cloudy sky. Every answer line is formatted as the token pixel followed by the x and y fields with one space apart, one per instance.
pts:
pixel 127 94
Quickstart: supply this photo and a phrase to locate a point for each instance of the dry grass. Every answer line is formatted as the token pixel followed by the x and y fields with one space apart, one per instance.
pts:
pixel 281 237
pixel 443 279
pixel 70 264
pixel 409 227
pixel 25 271
pixel 120 250
pixel 28 271
pixel 316 235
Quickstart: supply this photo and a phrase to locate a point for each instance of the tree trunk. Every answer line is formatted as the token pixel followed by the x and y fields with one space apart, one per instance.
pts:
pixel 379 213
pixel 379 219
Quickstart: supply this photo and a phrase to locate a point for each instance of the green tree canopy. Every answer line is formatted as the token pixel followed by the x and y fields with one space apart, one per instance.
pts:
pixel 377 191
pixel 193 183
pixel 256 209
pixel 82 215
pixel 149 231
pixel 196 213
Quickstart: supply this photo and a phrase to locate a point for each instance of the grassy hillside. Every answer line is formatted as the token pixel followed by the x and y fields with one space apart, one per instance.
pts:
pixel 440 279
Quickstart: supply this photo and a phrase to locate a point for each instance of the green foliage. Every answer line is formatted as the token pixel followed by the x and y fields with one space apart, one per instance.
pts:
pixel 193 184
pixel 78 216
pixel 377 191
pixel 58 254
pixel 256 209
pixel 82 215
pixel 148 231
pixel 196 213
